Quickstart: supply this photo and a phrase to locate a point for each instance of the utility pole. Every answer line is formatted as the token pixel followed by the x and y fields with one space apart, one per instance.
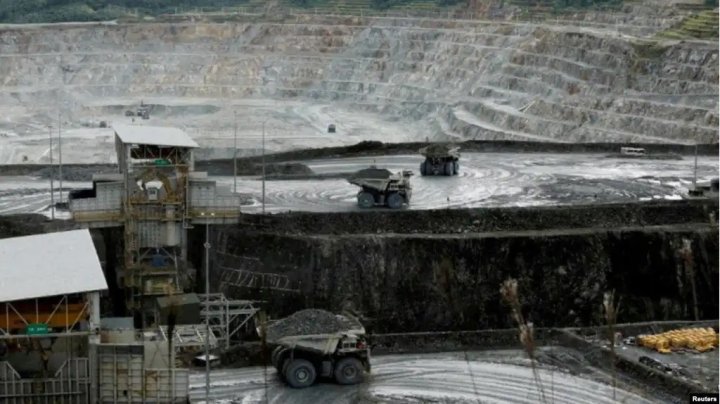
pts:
pixel 60 156
pixel 235 156
pixel 263 168
pixel 52 173
pixel 695 170
pixel 207 319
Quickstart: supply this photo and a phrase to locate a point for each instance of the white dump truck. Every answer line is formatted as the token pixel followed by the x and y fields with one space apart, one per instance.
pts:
pixel 440 159
pixel 342 356
pixel 380 187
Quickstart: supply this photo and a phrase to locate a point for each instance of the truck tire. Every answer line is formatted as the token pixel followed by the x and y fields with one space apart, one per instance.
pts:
pixel 300 374
pixel 349 371
pixel 365 200
pixel 423 168
pixel 395 201
pixel 449 168
pixel 457 167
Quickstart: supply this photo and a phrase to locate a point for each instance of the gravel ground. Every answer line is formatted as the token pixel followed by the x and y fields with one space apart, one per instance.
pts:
pixel 485 180
pixel 490 180
pixel 452 378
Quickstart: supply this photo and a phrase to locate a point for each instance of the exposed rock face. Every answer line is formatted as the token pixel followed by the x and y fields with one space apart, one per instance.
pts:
pixel 413 282
pixel 462 221
pixel 463 79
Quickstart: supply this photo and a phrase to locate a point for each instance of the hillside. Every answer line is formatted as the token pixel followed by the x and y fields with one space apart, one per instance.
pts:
pixel 596 76
pixel 37 11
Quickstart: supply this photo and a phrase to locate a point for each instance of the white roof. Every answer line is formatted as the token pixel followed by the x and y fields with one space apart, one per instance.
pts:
pixel 154 135
pixel 49 265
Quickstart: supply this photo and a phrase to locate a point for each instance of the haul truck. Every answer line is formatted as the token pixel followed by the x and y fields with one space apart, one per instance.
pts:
pixel 342 356
pixel 440 159
pixel 380 187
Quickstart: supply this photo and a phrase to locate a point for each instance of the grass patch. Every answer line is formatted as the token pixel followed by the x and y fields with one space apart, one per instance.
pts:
pixel 703 25
pixel 649 50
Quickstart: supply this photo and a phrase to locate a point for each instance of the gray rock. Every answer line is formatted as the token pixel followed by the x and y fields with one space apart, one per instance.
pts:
pixel 309 322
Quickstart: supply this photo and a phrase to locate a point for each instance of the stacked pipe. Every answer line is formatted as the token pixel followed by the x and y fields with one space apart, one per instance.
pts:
pixel 697 339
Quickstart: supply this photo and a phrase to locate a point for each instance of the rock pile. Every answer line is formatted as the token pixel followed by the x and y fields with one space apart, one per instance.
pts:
pixel 309 322
pixel 373 173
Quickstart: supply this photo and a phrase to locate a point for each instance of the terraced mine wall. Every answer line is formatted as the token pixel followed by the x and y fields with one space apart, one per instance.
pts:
pixel 465 79
pixel 447 278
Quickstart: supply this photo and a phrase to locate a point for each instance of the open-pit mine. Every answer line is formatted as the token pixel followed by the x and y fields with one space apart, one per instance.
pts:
pixel 174 185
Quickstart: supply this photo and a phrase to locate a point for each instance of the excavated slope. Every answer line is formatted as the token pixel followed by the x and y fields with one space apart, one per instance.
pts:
pixel 473 80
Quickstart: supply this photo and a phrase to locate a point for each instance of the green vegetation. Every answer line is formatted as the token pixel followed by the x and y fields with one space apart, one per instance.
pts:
pixel 584 3
pixel 387 4
pixel 32 11
pixel 357 5
pixel 35 11
pixel 703 25
pixel 647 54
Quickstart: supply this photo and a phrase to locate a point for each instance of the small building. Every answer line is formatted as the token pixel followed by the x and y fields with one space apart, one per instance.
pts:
pixel 49 317
pixel 705 190
pixel 185 308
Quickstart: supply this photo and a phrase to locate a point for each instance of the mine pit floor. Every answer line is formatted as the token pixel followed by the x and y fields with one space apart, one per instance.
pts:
pixel 501 376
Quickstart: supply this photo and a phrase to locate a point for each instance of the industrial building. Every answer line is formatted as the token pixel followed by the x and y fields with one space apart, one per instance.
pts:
pixel 155 196
pixel 49 318
pixel 54 346
pixel 153 199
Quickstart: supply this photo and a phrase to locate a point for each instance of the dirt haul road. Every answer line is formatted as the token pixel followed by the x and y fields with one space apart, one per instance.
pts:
pixel 490 179
pixel 485 180
pixel 487 377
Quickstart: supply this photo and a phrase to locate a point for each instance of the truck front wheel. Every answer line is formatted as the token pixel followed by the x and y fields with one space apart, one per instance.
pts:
pixel 349 371
pixel 395 201
pixel 300 373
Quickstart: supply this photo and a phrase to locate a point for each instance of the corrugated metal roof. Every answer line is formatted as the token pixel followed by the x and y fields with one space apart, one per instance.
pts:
pixel 49 265
pixel 154 135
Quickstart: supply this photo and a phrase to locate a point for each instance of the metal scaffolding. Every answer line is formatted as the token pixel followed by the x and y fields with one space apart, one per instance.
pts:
pixel 243 278
pixel 60 317
pixel 70 384
pixel 226 317
pixel 188 336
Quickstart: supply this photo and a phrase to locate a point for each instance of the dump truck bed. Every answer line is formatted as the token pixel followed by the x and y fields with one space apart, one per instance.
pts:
pixel 379 184
pixel 440 151
pixel 325 344
pixel 310 336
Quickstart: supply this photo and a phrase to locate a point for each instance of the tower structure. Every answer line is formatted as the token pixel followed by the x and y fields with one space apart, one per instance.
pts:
pixel 156 196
